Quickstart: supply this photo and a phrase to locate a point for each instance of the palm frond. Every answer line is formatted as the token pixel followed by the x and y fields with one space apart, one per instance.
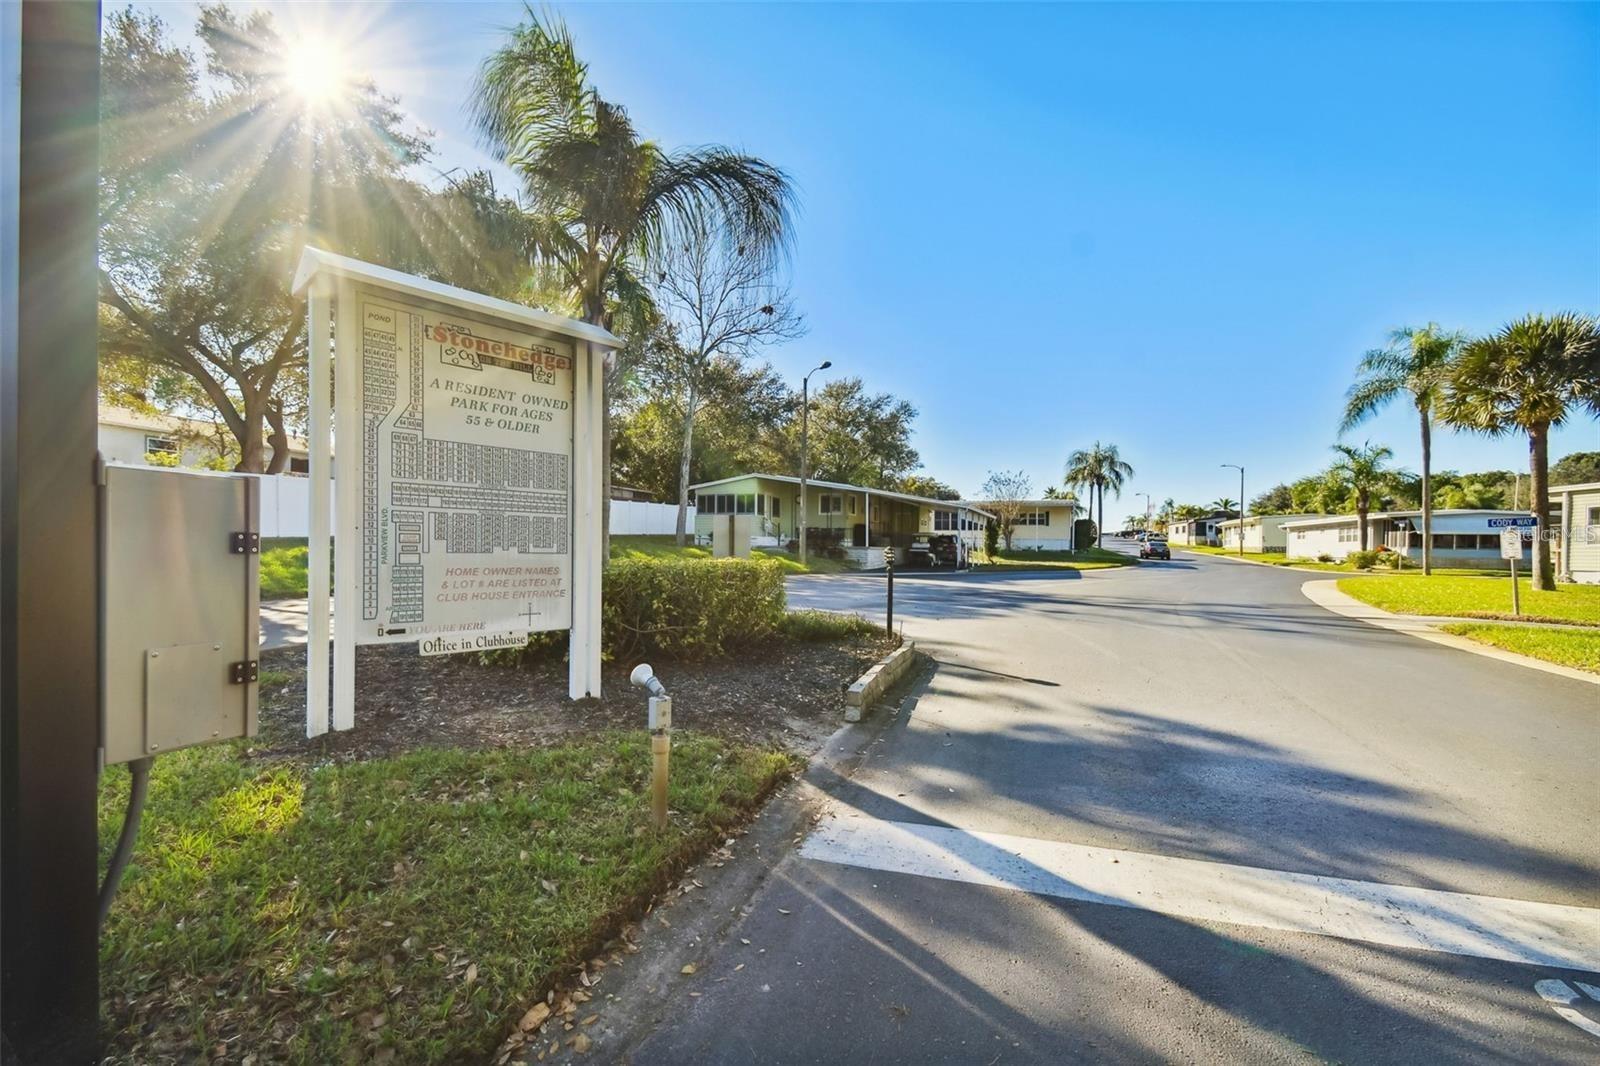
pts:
pixel 752 200
pixel 532 91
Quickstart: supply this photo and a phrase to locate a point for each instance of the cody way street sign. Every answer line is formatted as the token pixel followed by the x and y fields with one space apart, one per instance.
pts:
pixel 1517 522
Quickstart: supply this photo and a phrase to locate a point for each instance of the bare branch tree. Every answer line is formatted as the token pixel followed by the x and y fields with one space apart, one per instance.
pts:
pixel 721 304
pixel 1005 493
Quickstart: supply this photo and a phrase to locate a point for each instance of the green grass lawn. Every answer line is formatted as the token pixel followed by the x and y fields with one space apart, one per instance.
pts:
pixel 410 907
pixel 1270 558
pixel 1087 559
pixel 1569 647
pixel 1475 597
pixel 633 547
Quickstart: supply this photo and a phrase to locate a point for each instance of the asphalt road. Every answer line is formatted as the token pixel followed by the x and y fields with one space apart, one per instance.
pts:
pixel 1104 831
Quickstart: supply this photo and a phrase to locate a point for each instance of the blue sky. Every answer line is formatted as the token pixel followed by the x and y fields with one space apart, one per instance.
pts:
pixel 1174 228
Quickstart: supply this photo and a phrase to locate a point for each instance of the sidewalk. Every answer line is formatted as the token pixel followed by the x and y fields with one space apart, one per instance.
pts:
pixel 1324 592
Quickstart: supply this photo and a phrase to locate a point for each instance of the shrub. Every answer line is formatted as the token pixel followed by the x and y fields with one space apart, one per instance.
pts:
pixel 690 608
pixel 684 608
pixel 1395 560
pixel 991 539
pixel 1363 560
pixel 1324 558
pixel 826 625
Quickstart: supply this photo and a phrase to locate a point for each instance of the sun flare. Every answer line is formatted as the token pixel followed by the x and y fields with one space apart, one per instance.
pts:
pixel 315 71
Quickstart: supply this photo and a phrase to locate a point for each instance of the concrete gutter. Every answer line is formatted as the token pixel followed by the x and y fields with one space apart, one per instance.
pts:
pixel 1325 594
pixel 878 679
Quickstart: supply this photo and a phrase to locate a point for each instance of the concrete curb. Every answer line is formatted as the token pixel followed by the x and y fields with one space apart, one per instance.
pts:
pixel 870 686
pixel 1257 562
pixel 1325 593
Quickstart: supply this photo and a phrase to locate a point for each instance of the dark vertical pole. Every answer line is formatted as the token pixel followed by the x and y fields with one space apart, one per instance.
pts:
pixel 888 562
pixel 49 630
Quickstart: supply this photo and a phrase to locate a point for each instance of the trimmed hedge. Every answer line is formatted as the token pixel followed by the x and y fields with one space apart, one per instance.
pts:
pixel 689 608
pixel 683 608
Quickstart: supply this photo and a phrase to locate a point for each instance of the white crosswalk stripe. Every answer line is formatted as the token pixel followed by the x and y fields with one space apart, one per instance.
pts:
pixel 1544 934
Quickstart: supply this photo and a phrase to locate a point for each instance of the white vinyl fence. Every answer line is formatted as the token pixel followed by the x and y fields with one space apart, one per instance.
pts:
pixel 286 510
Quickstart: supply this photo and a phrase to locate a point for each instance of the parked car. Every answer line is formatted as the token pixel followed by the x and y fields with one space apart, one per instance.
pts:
pixel 1154 548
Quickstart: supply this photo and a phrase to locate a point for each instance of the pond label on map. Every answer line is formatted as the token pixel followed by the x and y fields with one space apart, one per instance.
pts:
pixel 464 509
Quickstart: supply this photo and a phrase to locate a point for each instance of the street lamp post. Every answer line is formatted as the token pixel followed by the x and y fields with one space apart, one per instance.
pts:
pixel 1146 496
pixel 1239 468
pixel 805 456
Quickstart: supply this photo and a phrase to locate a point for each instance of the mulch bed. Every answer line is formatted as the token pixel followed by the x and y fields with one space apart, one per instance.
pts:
pixel 788 694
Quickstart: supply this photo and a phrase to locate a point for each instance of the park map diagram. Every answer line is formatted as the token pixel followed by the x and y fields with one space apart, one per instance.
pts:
pixel 465 494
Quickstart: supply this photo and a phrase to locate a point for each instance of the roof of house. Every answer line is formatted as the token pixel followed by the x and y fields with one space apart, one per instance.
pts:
pixel 1586 486
pixel 1442 512
pixel 1049 501
pixel 1284 518
pixel 111 415
pixel 906 496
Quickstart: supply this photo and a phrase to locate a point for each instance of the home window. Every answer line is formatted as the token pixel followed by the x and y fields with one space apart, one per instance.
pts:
pixel 943 520
pixel 777 507
pixel 162 444
pixel 1444 541
pixel 852 505
pixel 830 503
pixel 745 503
pixel 299 466
pixel 761 504
pixel 724 503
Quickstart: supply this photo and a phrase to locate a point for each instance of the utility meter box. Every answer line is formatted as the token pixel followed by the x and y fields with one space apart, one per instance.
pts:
pixel 180 557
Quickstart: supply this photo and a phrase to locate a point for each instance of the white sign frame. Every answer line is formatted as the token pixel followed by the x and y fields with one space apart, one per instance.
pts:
pixel 1512 544
pixel 330 283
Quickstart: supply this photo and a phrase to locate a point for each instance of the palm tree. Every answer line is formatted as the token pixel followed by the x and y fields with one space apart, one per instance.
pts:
pixel 602 199
pixel 1364 471
pixel 1225 505
pixel 1527 377
pixel 1098 468
pixel 1416 363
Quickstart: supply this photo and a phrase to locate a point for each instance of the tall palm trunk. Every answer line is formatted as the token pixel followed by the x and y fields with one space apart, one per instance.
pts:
pixel 1427 492
pixel 1100 522
pixel 1539 489
pixel 1363 505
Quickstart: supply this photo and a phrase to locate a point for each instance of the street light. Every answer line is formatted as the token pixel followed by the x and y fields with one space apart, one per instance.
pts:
pixel 1146 496
pixel 1239 468
pixel 805 417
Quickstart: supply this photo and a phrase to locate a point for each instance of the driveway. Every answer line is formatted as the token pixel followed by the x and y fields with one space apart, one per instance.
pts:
pixel 1177 813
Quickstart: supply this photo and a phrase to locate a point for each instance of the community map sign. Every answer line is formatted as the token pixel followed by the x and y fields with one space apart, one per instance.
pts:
pixel 464 508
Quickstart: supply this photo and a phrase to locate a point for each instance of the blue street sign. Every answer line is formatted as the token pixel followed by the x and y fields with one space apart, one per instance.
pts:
pixel 1519 522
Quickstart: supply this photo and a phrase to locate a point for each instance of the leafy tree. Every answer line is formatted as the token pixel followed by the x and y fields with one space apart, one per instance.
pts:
pixel 1528 376
pixel 1579 468
pixel 931 488
pixel 722 306
pixel 1364 471
pixel 1277 500
pixel 858 437
pixel 603 200
pixel 1099 468
pixel 1416 363
pixel 1004 493
pixel 1468 495
pixel 207 196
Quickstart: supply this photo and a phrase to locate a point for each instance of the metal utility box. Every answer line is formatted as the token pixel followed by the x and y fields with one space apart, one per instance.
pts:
pixel 180 557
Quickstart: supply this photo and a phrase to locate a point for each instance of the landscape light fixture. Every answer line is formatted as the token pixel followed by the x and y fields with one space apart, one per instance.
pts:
pixel 805 417
pixel 660 724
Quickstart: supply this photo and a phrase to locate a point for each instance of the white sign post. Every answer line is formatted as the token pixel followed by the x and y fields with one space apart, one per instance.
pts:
pixel 1511 548
pixel 467 488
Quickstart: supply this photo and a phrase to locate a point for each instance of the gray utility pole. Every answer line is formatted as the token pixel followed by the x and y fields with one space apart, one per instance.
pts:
pixel 805 451
pixel 1239 468
pixel 1146 496
pixel 49 567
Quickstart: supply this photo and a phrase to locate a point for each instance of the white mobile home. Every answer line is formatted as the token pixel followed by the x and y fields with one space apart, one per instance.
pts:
pixel 1202 530
pixel 1041 525
pixel 853 520
pixel 1575 513
pixel 1460 537
pixel 1262 533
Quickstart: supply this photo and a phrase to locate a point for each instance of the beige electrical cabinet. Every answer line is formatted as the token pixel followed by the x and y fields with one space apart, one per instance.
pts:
pixel 180 629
